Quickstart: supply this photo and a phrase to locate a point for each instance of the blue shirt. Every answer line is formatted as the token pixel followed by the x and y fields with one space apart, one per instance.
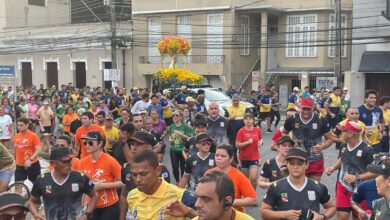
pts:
pixel 292 98
pixel 370 117
pixel 159 110
pixel 180 98
pixel 366 191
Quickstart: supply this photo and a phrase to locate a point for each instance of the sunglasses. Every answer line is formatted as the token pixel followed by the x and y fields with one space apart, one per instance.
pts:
pixel 66 161
pixel 205 143
pixel 90 143
pixel 176 115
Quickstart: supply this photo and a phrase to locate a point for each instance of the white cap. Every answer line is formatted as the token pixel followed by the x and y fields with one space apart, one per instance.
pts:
pixel 345 88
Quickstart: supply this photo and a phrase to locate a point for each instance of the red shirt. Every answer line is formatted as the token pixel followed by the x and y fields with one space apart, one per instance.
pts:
pixel 250 151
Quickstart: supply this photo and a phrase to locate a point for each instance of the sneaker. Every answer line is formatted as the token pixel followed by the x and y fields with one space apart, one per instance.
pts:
pixel 269 130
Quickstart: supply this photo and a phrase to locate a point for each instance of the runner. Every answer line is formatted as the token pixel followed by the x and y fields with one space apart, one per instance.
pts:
pixel 197 164
pixel 307 130
pixel 217 125
pixel 296 196
pixel 45 116
pixel 62 190
pixel 111 131
pixel 105 173
pixel 68 118
pixel 384 103
pixel 244 194
pixel 27 147
pixel 5 127
pixel 276 168
pixel 7 168
pixel 248 142
pixel 332 106
pixel 235 114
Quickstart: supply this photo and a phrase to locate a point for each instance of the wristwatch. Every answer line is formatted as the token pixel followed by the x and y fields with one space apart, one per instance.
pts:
pixel 88 214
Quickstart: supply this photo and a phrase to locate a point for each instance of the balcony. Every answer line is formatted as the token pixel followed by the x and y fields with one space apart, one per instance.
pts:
pixel 205 65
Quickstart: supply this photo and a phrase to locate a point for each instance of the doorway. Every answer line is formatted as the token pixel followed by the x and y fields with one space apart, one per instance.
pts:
pixel 26 74
pixel 52 74
pixel 80 74
pixel 106 84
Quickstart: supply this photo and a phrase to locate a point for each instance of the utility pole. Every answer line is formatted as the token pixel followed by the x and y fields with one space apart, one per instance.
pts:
pixel 113 34
pixel 338 41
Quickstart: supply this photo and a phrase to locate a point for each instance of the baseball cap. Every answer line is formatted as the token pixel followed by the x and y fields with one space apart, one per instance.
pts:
pixel 135 88
pixel 296 89
pixel 200 122
pixel 345 88
pixel 93 135
pixel 183 87
pixel 307 103
pixel 202 137
pixel 350 126
pixel 144 137
pixel 80 111
pixel 285 139
pixel 381 169
pixel 249 115
pixel 166 91
pixel 45 102
pixel 297 152
pixel 61 154
pixel 190 99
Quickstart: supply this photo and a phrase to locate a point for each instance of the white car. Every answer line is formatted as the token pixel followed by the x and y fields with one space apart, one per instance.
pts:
pixel 212 94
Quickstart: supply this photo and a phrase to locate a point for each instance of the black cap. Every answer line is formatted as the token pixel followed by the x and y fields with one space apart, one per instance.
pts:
pixel 381 169
pixel 284 139
pixel 297 152
pixel 248 114
pixel 61 153
pixel 202 137
pixel 144 137
pixel 93 135
pixel 200 122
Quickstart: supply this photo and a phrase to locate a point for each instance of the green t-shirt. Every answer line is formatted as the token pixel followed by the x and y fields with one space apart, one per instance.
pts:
pixel 178 141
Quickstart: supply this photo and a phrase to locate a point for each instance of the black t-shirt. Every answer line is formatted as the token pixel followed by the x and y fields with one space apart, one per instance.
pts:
pixel 381 209
pixel 74 125
pixel 217 129
pixel 282 195
pixel 117 152
pixel 128 181
pixel 307 134
pixel 196 167
pixel 272 171
pixel 62 201
pixel 355 162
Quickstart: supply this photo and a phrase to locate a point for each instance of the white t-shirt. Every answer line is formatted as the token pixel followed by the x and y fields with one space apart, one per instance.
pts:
pixel 5 127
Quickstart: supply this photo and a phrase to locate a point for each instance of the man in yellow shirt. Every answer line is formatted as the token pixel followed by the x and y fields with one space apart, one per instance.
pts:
pixel 332 106
pixel 384 103
pixel 111 131
pixel 235 115
pixel 215 196
pixel 153 194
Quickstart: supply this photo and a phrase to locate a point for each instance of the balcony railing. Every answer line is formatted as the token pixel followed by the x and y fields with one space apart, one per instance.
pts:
pixel 191 59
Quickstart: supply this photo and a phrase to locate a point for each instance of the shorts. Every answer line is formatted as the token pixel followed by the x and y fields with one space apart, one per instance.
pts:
pixel 248 164
pixel 264 115
pixel 46 130
pixel 31 173
pixel 6 175
pixel 34 121
pixel 343 198
pixel 316 168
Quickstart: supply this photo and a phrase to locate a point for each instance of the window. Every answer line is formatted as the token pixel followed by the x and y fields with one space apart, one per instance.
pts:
pixel 301 36
pixel 154 36
pixel 214 38
pixel 245 35
pixel 37 2
pixel 184 29
pixel 388 9
pixel 332 36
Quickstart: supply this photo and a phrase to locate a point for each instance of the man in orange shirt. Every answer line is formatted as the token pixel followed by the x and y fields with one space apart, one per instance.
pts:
pixel 105 173
pixel 79 146
pixel 27 147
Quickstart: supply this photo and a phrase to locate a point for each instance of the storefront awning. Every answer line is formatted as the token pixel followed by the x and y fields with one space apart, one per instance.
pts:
pixel 375 62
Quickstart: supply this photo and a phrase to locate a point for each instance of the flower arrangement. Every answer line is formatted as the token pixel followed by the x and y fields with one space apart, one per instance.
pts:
pixel 178 76
pixel 174 45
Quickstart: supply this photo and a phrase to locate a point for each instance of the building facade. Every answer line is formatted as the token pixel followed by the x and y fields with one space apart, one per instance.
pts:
pixel 48 43
pixel 244 43
pixel 371 49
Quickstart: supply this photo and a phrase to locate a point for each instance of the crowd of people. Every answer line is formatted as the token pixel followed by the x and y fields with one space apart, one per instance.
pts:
pixel 108 146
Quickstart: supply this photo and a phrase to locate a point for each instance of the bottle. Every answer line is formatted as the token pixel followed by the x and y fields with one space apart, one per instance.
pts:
pixel 368 213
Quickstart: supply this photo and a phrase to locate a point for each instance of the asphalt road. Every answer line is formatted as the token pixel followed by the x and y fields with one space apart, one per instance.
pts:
pixel 330 156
